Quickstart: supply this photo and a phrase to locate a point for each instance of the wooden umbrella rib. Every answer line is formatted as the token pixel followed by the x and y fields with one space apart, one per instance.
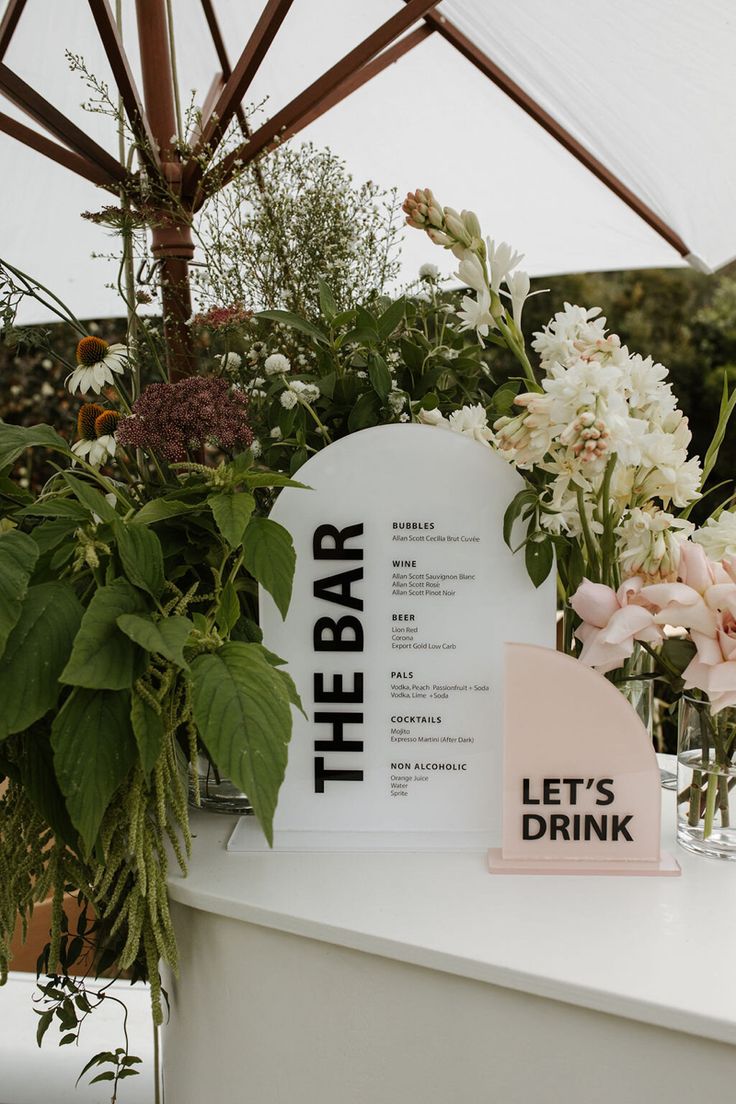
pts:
pixel 30 101
pixel 238 83
pixel 12 14
pixel 63 156
pixel 362 76
pixel 214 90
pixel 270 132
pixel 109 35
pixel 528 104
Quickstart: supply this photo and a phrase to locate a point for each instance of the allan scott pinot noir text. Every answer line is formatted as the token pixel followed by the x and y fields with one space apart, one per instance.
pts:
pixel 340 630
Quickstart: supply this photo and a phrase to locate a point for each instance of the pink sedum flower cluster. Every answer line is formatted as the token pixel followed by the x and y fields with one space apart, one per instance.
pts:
pixel 174 419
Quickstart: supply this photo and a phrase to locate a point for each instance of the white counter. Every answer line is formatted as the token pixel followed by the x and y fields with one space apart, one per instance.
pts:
pixel 645 951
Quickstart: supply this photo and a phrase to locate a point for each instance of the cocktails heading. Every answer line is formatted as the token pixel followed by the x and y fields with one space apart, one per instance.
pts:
pixel 569 826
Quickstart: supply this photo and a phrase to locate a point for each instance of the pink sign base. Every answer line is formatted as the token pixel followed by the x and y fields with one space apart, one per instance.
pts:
pixel 667 867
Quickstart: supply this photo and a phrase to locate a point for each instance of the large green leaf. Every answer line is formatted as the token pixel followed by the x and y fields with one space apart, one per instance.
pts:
pixel 379 376
pixel 103 657
pixel 42 786
pixel 49 534
pixel 94 749
pixel 18 556
pixel 14 440
pixel 391 318
pixel 159 509
pixel 271 479
pixel 242 710
pixel 166 637
pixel 148 729
pixel 91 498
pixel 296 323
pixel 228 609
pixel 327 303
pixel 38 647
pixel 232 512
pixel 365 413
pixel 141 556
pixel 55 507
pixel 268 553
pixel 539 557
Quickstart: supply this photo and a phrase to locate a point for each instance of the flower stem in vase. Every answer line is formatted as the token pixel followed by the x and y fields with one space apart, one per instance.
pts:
pixel 710 804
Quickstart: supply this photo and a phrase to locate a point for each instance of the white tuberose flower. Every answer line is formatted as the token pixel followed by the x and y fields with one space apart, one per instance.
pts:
pixel 472 421
pixel 518 285
pixel 97 365
pixel 502 260
pixel 718 536
pixel 433 418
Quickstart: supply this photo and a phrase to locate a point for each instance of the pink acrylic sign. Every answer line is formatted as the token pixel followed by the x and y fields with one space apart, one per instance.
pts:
pixel 581 783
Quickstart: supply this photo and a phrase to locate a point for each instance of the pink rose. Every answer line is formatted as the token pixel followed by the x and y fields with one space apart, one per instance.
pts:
pixel 713 668
pixel 612 621
pixel 705 589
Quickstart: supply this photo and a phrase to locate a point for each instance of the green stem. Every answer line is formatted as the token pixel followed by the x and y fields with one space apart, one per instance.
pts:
pixel 587 536
pixel 710 803
pixel 32 286
pixel 607 541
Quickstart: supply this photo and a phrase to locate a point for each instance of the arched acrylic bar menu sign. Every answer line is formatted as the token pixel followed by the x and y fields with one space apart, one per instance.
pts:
pixel 582 788
pixel 404 596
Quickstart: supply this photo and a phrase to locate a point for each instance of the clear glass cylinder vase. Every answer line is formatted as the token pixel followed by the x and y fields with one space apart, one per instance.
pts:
pixel 706 779
pixel 216 794
pixel 632 679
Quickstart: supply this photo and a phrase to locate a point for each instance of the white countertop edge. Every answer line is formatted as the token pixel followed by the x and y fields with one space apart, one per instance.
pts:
pixel 552 988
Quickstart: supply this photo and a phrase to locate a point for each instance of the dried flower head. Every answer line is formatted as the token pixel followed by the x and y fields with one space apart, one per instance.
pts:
pixel 175 418
pixel 222 318
pixel 106 422
pixel 91 350
pixel 88 414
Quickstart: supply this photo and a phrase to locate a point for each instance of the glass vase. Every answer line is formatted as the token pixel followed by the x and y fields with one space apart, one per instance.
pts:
pixel 631 679
pixel 216 794
pixel 634 681
pixel 706 779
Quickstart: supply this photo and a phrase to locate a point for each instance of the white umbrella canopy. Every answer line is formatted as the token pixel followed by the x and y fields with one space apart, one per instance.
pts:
pixel 645 89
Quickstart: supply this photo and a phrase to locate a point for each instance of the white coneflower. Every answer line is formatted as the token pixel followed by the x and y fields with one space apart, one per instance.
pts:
pixel 96 428
pixel 97 365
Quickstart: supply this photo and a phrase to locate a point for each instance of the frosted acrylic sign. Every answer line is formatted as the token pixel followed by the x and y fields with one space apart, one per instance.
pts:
pixel 582 790
pixel 403 598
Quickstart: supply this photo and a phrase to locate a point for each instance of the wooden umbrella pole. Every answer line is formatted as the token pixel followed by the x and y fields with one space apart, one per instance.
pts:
pixel 173 246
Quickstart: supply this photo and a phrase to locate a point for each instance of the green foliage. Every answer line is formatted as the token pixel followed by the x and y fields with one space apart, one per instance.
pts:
pixel 103 657
pixel 242 706
pixel 38 648
pixel 282 227
pixel 94 749
pixel 18 556
pixel 109 609
pixel 232 512
pixel 268 553
pixel 366 364
pixel 114 601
